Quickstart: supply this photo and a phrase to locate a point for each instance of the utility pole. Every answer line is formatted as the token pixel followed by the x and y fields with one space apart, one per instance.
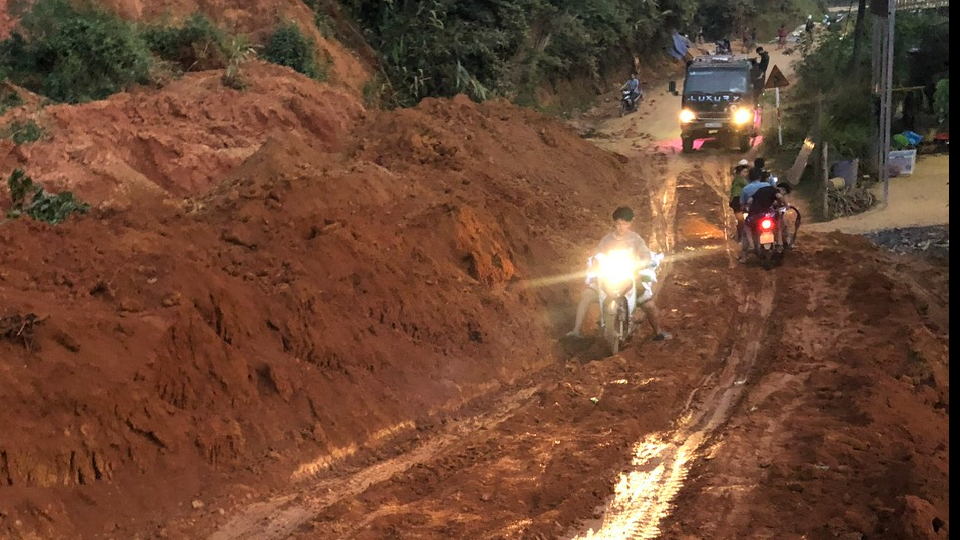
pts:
pixel 884 12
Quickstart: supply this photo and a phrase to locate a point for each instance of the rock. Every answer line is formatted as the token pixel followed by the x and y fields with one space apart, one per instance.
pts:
pixel 172 299
pixel 197 504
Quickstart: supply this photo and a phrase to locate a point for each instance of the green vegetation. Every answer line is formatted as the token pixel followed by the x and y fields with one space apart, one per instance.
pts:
pixel 21 132
pixel 941 101
pixel 73 55
pixel 288 46
pixel 196 45
pixel 511 47
pixel 31 200
pixel 76 54
pixel 832 76
pixel 238 51
pixel 10 99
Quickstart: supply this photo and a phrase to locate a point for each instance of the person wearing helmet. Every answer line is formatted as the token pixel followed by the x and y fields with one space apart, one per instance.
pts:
pixel 622 237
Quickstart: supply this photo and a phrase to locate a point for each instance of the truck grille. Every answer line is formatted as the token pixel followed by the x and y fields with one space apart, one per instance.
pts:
pixel 715 111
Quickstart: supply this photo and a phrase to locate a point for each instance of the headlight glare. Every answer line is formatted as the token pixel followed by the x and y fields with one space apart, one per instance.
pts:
pixel 742 115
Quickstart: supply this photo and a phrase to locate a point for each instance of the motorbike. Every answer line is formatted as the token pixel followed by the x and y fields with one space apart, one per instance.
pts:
pixel 764 227
pixel 618 277
pixel 627 102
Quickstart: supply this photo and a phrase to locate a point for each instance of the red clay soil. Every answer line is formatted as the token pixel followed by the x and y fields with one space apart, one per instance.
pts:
pixel 310 303
pixel 287 317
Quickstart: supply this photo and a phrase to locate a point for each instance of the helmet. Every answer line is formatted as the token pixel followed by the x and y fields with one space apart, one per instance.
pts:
pixel 743 162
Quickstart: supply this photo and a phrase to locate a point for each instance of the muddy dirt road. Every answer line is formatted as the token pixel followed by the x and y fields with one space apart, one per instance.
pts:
pixel 806 402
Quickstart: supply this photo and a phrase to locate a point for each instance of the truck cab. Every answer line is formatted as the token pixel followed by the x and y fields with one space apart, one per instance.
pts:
pixel 721 100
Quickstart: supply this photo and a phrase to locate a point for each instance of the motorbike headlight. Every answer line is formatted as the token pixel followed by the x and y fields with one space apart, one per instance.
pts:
pixel 617 267
pixel 742 115
pixel 687 116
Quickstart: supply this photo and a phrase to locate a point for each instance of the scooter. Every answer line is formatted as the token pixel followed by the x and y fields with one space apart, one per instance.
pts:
pixel 627 102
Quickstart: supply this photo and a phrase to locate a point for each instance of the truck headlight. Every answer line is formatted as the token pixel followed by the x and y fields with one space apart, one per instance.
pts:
pixel 742 115
pixel 687 116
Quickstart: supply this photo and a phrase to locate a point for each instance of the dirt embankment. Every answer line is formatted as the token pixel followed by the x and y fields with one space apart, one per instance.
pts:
pixel 353 273
pixel 256 19
pixel 178 140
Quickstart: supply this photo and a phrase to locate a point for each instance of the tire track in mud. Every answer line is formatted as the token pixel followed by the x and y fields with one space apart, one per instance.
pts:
pixel 282 516
pixel 661 462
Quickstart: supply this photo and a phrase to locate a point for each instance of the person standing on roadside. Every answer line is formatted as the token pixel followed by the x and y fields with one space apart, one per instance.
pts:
pixel 763 61
pixel 781 37
pixel 760 166
pixel 736 186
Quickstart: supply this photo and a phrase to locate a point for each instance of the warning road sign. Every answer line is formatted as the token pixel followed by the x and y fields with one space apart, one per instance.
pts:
pixel 776 79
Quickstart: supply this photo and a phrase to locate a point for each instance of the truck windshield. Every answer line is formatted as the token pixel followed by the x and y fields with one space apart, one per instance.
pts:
pixel 717 80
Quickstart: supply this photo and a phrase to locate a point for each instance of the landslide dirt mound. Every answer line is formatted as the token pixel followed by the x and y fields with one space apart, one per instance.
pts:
pixel 177 141
pixel 319 298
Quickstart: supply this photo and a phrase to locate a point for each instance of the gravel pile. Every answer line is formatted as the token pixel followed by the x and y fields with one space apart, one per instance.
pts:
pixel 934 241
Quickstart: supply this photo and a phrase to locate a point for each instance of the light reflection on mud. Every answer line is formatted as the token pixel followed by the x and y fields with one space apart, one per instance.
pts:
pixel 644 494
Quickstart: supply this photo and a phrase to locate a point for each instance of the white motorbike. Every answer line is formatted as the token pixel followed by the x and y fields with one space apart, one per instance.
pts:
pixel 617 277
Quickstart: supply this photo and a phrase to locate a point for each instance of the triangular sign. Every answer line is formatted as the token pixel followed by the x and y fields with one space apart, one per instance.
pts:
pixel 776 79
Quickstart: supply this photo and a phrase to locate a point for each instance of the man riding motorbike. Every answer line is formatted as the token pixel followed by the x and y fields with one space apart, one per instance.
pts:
pixel 763 199
pixel 621 238
pixel 633 85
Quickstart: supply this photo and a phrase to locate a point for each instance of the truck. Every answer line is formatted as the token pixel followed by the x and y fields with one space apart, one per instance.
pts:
pixel 720 100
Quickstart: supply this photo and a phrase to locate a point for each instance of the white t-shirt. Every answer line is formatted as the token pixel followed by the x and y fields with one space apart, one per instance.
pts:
pixel 629 241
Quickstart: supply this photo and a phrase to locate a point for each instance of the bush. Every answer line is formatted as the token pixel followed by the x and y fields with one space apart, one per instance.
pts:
pixel 23 132
pixel 196 45
pixel 10 99
pixel 238 51
pixel 288 46
pixel 74 56
pixel 941 101
pixel 31 200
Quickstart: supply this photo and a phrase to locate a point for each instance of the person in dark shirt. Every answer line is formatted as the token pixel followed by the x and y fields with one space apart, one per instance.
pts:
pixel 764 61
pixel 760 65
pixel 762 200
